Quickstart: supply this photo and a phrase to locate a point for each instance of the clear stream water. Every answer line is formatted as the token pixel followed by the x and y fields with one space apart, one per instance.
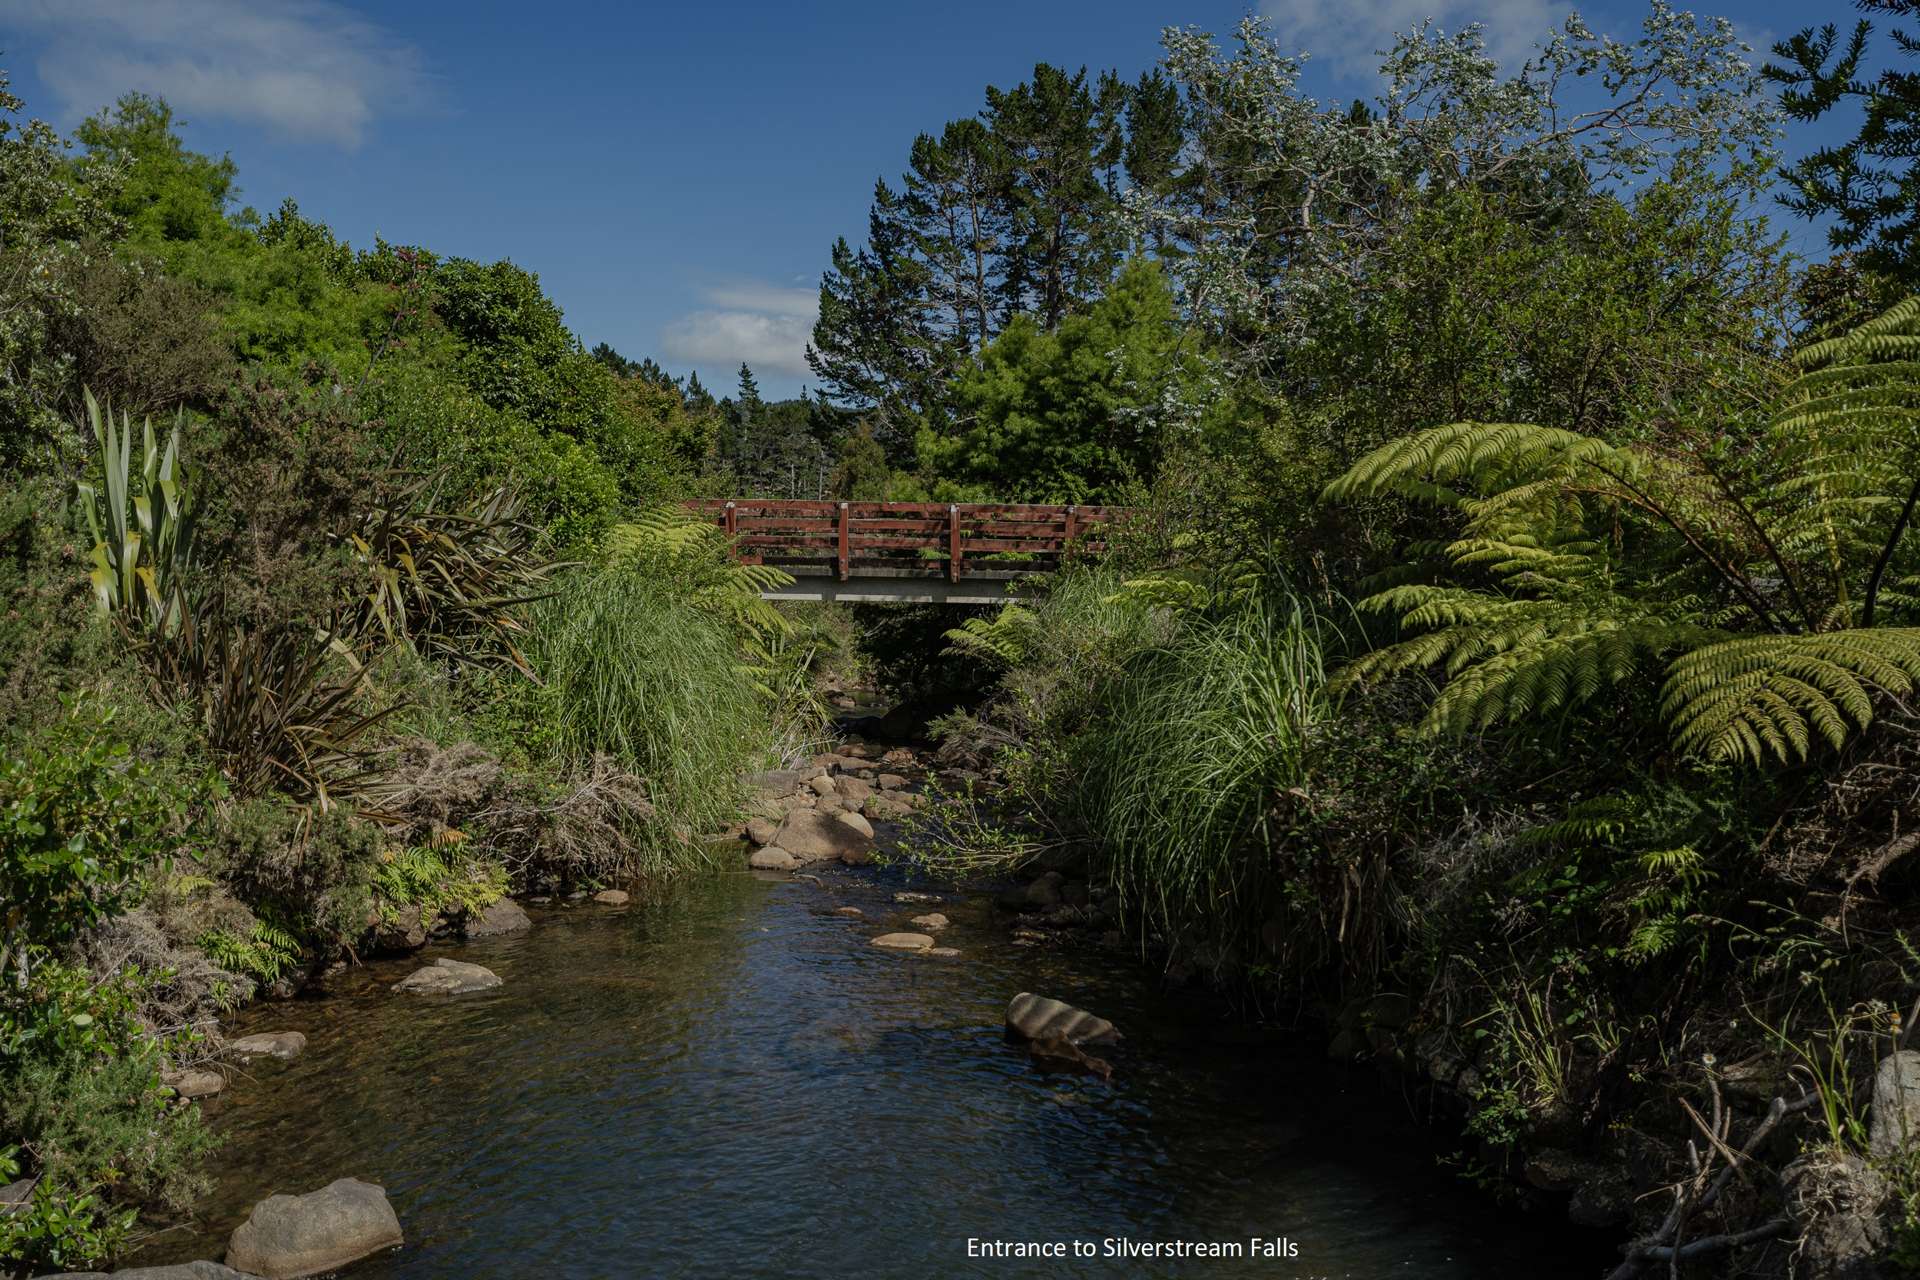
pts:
pixel 732 1081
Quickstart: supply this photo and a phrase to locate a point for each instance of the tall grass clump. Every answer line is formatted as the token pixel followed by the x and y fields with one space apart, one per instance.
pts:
pixel 634 671
pixel 1183 772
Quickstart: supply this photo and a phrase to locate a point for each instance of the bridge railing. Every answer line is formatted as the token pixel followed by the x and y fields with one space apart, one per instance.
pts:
pixel 930 539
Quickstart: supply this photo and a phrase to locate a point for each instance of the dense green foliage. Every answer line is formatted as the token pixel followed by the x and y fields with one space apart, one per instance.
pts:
pixel 1869 185
pixel 355 640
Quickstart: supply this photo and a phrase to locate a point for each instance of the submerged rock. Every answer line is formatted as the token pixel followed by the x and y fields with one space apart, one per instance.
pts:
pixel 932 922
pixel 904 941
pixel 284 1045
pixel 286 1237
pixel 448 978
pixel 496 918
pixel 193 1082
pixel 1058 1052
pixel 774 782
pixel 851 912
pixel 941 951
pixel 772 858
pixel 612 897
pixel 1040 1017
pixel 177 1271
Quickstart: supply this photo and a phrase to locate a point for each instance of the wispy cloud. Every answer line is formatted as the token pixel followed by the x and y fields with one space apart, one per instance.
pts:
pixel 1348 36
pixel 766 326
pixel 310 69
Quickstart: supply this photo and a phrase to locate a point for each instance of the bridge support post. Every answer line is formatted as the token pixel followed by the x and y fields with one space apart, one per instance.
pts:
pixel 953 543
pixel 730 519
pixel 845 557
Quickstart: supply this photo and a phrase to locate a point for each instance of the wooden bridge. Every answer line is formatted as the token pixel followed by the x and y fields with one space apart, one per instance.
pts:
pixel 907 552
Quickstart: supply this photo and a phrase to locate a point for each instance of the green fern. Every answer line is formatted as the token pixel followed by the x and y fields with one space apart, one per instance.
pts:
pixel 424 877
pixel 266 952
pixel 1761 601
pixel 1003 640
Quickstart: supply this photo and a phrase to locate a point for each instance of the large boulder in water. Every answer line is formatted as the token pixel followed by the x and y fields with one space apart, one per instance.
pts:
pixel 448 978
pixel 1041 1018
pixel 812 836
pixel 284 1045
pixel 286 1237
pixel 496 918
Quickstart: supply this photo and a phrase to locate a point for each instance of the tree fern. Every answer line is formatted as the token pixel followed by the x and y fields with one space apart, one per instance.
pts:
pixel 1003 640
pixel 1759 580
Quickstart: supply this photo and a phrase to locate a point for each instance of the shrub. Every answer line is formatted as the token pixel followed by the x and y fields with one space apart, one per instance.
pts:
pixel 80 1094
pixel 81 822
pixel 309 871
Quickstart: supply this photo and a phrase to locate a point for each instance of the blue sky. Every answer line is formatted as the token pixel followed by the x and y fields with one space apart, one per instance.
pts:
pixel 675 174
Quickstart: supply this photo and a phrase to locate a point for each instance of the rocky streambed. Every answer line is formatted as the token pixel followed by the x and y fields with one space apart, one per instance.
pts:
pixel 734 1079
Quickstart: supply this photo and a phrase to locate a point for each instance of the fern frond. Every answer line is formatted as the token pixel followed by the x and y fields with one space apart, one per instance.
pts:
pixel 1752 697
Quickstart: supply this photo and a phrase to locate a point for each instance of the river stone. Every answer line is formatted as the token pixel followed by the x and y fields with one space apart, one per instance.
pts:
pixel 856 823
pixel 193 1082
pixel 823 785
pixel 177 1271
pixel 448 978
pixel 853 791
pixel 858 750
pixel 496 918
pixel 775 782
pixel 891 782
pixel 811 836
pixel 290 1236
pixel 851 912
pixel 1894 1123
pixel 1037 1017
pixel 762 830
pixel 941 951
pixel 612 897
pixel 284 1045
pixel 904 941
pixel 1045 892
pixel 914 895
pixel 772 858
pixel 932 922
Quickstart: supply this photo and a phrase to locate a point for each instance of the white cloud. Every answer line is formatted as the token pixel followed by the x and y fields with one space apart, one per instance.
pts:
pixel 766 326
pixel 1349 36
pixel 309 69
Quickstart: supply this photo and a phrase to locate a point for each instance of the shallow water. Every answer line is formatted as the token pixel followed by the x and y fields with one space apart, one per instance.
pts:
pixel 734 1082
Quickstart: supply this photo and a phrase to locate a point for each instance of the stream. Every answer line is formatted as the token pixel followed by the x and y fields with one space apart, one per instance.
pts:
pixel 730 1080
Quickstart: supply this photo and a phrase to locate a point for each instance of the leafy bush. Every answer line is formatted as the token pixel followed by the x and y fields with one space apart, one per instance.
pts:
pixel 302 869
pixel 81 822
pixel 80 1095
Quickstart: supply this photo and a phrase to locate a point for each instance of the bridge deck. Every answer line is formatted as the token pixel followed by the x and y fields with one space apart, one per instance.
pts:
pixel 968 552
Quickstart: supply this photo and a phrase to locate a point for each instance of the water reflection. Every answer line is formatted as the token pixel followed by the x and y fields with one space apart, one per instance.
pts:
pixel 732 1082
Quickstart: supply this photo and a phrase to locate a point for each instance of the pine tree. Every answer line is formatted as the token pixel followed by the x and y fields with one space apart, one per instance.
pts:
pixel 1870 185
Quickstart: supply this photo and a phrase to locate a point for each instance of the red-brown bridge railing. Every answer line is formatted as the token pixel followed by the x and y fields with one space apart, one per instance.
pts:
pixel 909 539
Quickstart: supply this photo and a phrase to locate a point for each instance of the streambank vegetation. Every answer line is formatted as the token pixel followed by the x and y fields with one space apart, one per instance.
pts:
pixel 1507 678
